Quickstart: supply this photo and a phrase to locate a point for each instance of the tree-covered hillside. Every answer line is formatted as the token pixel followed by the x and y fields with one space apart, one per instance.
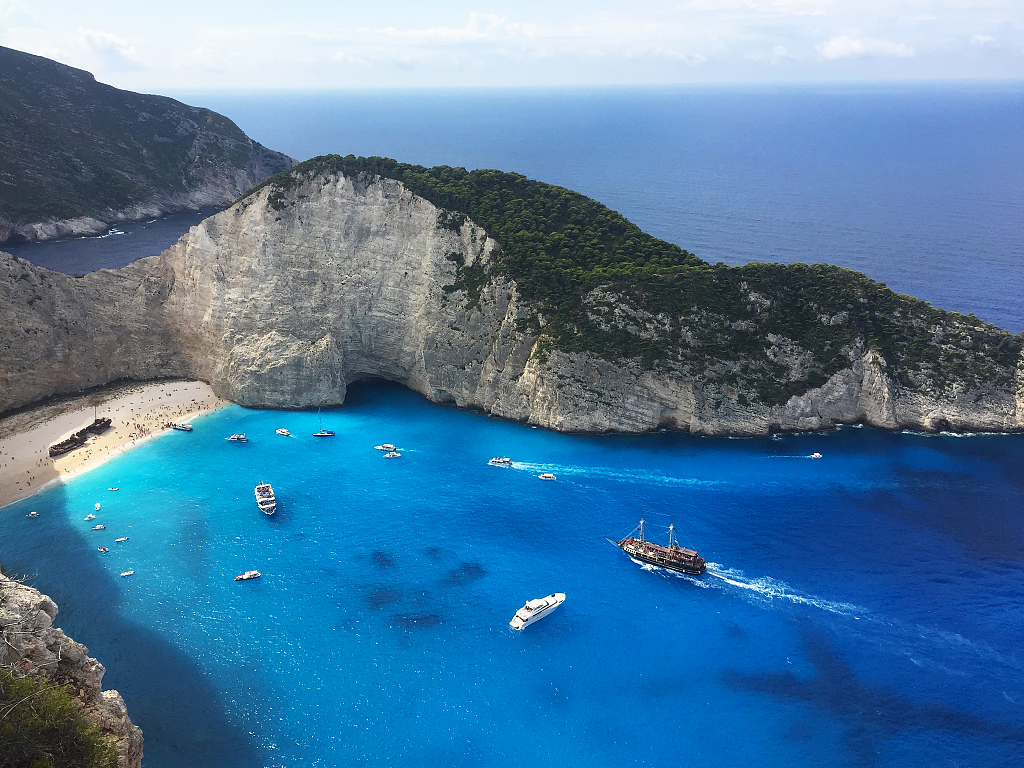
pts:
pixel 601 285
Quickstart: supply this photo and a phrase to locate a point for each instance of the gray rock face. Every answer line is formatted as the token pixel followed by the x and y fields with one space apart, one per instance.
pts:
pixel 32 646
pixel 355 277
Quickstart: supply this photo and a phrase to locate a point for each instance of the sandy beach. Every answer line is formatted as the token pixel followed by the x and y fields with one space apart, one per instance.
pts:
pixel 138 413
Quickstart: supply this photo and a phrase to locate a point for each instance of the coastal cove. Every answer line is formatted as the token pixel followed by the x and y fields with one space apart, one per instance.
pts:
pixel 860 609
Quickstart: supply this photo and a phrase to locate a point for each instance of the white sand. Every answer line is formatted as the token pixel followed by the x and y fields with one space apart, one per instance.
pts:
pixel 137 413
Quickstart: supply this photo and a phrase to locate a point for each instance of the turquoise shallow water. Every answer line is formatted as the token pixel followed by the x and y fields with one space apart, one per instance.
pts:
pixel 864 609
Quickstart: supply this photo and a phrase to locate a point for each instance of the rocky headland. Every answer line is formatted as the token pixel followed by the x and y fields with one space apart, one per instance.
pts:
pixel 33 647
pixel 77 156
pixel 496 293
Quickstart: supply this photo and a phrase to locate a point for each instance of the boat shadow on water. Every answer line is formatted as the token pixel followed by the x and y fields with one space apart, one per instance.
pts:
pixel 167 693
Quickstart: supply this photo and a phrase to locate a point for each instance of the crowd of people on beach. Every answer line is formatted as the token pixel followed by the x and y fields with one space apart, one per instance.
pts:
pixel 132 422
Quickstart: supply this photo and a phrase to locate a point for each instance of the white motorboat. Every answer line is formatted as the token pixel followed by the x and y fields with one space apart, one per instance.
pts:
pixel 90 516
pixel 385 447
pixel 815 455
pixel 283 432
pixel 392 455
pixel 127 573
pixel 500 461
pixel 535 610
pixel 123 538
pixel 248 575
pixel 265 499
pixel 99 527
pixel 238 438
pixel 546 476
pixel 33 513
pixel 182 427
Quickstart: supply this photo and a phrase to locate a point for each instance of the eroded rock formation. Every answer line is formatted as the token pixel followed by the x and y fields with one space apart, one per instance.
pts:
pixel 32 646
pixel 283 302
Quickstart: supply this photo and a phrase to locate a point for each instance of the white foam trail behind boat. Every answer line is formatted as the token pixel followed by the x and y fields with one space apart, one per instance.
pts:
pixel 628 476
pixel 770 589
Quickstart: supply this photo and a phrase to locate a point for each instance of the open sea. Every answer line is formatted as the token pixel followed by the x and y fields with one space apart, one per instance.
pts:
pixel 865 608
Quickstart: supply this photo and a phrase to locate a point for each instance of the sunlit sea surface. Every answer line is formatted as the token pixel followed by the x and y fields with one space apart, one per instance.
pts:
pixel 865 608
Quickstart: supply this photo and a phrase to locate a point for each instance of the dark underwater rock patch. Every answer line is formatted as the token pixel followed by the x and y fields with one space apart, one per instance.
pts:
pixel 465 573
pixel 416 620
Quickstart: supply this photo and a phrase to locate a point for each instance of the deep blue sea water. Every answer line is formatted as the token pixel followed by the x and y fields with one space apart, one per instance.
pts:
pixel 862 609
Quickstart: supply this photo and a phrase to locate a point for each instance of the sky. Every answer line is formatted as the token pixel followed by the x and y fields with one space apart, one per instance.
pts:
pixel 325 45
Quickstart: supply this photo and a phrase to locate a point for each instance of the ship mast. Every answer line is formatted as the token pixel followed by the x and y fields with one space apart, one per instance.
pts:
pixel 641 527
pixel 671 535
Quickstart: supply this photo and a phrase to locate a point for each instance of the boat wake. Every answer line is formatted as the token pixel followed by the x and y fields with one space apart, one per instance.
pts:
pixel 627 476
pixel 771 590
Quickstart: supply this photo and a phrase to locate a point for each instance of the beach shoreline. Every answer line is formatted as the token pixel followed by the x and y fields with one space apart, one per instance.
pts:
pixel 138 413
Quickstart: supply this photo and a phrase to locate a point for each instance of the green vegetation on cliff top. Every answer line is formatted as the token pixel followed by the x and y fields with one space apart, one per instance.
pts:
pixel 42 727
pixel 603 286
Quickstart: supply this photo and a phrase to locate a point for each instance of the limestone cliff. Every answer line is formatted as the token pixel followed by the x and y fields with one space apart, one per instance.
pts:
pixel 33 647
pixel 302 288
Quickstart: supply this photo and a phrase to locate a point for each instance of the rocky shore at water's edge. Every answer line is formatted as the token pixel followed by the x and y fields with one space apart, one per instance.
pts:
pixel 33 647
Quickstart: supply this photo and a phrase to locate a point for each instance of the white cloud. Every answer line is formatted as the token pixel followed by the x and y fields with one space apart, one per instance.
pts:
pixel 982 40
pixel 118 54
pixel 779 53
pixel 846 47
pixel 786 7
pixel 9 8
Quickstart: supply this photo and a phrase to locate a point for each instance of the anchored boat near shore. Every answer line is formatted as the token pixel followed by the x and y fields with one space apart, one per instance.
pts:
pixel 673 557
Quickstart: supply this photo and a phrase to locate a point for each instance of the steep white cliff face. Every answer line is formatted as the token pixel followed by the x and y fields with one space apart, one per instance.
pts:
pixel 353 278
pixel 33 647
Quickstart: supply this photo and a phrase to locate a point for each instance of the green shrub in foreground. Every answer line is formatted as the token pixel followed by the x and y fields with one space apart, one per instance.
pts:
pixel 41 727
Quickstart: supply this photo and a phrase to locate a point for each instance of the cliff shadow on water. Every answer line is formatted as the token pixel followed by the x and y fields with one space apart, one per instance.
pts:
pixel 167 693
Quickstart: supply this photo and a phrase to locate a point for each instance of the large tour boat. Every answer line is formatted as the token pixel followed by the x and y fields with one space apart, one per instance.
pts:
pixel 673 557
pixel 265 499
pixel 535 610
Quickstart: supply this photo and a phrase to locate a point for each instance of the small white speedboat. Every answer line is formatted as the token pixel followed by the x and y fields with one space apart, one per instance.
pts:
pixel 103 549
pixel 392 455
pixel 385 447
pixel 127 573
pixel 90 516
pixel 238 438
pixel 535 610
pixel 546 476
pixel 500 461
pixel 248 575
pixel 97 506
pixel 99 527
pixel 32 514
pixel 123 538
pixel 815 455
pixel 283 432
